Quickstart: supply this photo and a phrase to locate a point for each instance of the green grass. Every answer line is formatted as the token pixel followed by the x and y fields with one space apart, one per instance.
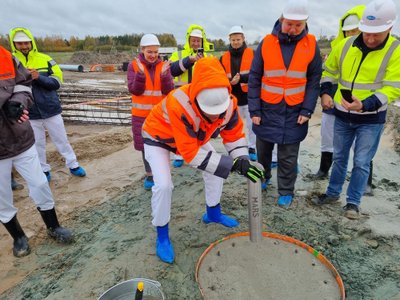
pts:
pixel 60 57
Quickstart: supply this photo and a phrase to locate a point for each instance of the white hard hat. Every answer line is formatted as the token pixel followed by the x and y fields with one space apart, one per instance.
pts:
pixel 214 101
pixel 296 10
pixel 149 39
pixel 21 36
pixel 196 33
pixel 378 16
pixel 236 29
pixel 351 22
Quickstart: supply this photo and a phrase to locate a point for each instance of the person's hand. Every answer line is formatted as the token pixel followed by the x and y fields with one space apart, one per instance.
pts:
pixel 326 101
pixel 166 66
pixel 140 65
pixel 24 117
pixel 302 119
pixel 235 79
pixel 256 120
pixel 356 105
pixel 34 73
pixel 194 58
pixel 245 168
pixel 14 110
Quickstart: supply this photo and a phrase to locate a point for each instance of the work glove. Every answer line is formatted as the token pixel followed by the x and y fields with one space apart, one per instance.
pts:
pixel 13 110
pixel 245 168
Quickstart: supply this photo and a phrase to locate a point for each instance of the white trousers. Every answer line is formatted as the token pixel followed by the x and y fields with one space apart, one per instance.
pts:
pixel 28 166
pixel 245 115
pixel 327 124
pixel 58 135
pixel 159 161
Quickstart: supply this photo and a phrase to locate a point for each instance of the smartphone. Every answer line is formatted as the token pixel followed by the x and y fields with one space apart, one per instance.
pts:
pixel 346 94
pixel 200 50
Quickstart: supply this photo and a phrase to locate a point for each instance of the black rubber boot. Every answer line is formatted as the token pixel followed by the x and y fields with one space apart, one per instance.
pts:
pixel 15 185
pixel 368 189
pixel 21 246
pixel 54 230
pixel 325 165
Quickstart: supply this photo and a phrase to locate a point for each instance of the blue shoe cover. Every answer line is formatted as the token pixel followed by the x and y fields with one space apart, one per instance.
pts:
pixel 79 171
pixel 48 175
pixel 264 184
pixel 148 183
pixel 285 201
pixel 274 164
pixel 164 249
pixel 177 163
pixel 214 215
pixel 253 156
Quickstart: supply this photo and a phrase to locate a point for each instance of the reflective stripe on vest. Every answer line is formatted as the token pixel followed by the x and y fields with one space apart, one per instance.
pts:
pixel 7 70
pixel 279 83
pixel 364 90
pixel 245 65
pixel 141 105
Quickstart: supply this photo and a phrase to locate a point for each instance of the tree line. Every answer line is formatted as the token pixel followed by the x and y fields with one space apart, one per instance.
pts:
pixel 126 42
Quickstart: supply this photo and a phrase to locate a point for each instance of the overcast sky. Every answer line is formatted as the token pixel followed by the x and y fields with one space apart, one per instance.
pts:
pixel 117 17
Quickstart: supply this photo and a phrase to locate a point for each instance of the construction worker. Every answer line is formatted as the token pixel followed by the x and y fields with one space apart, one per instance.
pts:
pixel 183 62
pixel 348 26
pixel 17 149
pixel 237 62
pixel 183 123
pixel 149 80
pixel 367 65
pixel 283 91
pixel 45 113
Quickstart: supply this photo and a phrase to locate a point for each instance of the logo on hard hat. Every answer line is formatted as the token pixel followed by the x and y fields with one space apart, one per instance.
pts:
pixel 371 18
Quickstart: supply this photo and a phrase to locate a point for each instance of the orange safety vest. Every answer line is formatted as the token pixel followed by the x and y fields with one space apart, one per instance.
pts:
pixel 7 70
pixel 245 65
pixel 290 84
pixel 142 105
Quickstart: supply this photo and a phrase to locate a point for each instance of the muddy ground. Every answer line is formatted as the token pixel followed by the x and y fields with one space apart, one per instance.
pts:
pixel 109 212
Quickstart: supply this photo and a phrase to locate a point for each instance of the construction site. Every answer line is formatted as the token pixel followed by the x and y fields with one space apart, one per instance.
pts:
pixel 110 214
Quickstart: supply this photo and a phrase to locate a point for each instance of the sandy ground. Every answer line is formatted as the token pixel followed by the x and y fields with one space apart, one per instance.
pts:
pixel 109 212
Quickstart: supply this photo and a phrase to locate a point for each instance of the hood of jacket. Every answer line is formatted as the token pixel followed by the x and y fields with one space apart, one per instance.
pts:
pixel 206 45
pixel 29 34
pixel 356 10
pixel 208 73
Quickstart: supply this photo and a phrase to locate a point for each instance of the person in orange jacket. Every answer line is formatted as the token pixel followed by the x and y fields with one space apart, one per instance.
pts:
pixel 183 123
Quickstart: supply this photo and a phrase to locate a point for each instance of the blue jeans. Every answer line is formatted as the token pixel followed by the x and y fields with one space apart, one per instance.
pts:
pixel 367 137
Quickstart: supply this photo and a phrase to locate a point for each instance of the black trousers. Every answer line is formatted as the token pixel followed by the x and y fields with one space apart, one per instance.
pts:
pixel 287 164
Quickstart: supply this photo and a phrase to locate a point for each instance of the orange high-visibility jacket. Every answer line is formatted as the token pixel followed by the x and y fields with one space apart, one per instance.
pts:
pixel 177 124
pixel 7 70
pixel 245 65
pixel 279 83
pixel 142 105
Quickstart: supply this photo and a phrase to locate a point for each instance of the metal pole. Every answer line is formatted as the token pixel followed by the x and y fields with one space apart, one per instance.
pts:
pixel 254 199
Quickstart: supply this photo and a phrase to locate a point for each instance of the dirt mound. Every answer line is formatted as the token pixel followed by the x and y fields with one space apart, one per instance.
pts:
pixel 86 57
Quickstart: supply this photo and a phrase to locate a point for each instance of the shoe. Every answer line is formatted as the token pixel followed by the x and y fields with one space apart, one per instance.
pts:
pixel 252 154
pixel 324 199
pixel 79 171
pixel 214 215
pixel 21 247
pixel 164 249
pixel 48 175
pixel 351 211
pixel 15 185
pixel 368 191
pixel 285 201
pixel 61 235
pixel 274 164
pixel 177 163
pixel 265 184
pixel 148 183
pixel 320 175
